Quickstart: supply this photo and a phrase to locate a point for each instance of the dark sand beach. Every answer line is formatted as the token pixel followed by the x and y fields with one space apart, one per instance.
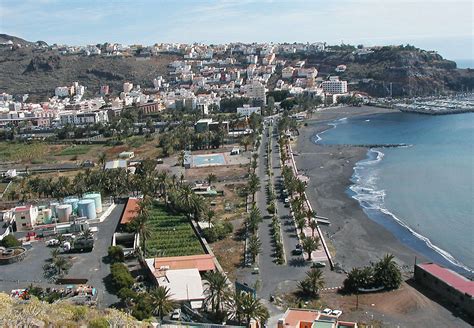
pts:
pixel 356 239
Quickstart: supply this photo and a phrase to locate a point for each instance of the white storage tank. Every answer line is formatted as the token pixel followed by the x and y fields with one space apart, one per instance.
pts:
pixel 86 207
pixel 64 212
pixel 53 209
pixel 97 199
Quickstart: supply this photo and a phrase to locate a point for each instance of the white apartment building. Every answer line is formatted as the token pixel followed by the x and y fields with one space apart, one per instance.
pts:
pixel 287 72
pixel 334 86
pixel 25 217
pixel 62 91
pixel 83 118
pixel 127 87
pixel 246 110
pixel 256 90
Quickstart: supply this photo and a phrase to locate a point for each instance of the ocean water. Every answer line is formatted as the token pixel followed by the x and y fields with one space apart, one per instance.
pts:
pixel 465 63
pixel 422 192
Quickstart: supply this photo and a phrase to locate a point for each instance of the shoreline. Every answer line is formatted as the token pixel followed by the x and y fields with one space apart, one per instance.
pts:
pixel 357 239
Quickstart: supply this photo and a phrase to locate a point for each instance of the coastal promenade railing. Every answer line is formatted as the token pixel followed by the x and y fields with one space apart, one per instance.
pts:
pixel 323 241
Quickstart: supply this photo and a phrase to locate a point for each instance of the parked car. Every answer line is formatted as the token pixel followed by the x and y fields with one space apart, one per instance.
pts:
pixel 297 251
pixel 52 242
pixel 255 270
pixel 319 265
pixel 176 315
pixel 337 313
pixel 327 311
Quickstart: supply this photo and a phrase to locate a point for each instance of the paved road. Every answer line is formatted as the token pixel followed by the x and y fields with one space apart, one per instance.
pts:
pixel 274 278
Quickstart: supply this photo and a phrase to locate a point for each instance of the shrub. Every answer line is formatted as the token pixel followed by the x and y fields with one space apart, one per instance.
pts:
pixel 271 208
pixel 10 241
pixel 121 277
pixel 99 323
pixel 218 231
pixel 143 309
pixel 115 254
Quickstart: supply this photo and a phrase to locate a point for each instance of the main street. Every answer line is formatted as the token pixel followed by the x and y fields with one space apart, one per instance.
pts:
pixel 273 278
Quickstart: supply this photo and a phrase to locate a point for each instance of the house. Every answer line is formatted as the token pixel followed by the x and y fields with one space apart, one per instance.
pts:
pixel 449 285
pixel 308 318
pixel 25 217
pixel 126 155
pixel 182 275
pixel 116 164
pixel 246 110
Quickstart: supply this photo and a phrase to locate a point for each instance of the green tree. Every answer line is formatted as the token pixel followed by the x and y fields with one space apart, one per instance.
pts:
pixel 309 245
pixel 313 282
pixel 253 185
pixel 10 241
pixel 162 301
pixel 254 247
pixel 217 290
pixel 313 224
pixel 387 273
pixel 252 308
pixel 211 178
pixel 115 254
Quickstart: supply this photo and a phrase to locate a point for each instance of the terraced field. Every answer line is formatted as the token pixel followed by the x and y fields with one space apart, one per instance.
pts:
pixel 171 235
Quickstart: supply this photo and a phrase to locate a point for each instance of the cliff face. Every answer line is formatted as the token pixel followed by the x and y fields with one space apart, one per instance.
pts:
pixel 411 71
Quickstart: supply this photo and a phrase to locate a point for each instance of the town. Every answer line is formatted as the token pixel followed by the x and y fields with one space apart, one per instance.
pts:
pixel 181 201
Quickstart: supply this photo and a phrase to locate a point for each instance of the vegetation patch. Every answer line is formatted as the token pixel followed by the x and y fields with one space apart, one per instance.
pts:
pixel 74 150
pixel 171 235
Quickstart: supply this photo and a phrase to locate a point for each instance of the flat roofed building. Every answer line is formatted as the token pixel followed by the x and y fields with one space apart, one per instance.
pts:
pixel 450 285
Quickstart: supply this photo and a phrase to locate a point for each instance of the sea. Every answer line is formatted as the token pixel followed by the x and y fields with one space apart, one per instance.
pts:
pixel 422 191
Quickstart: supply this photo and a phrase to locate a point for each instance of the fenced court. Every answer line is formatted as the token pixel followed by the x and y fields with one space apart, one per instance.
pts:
pixel 208 160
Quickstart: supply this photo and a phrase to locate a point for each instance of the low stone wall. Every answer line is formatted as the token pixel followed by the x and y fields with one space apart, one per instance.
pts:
pixel 14 258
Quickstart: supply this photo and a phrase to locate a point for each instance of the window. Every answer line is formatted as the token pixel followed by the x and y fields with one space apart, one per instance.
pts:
pixel 23 224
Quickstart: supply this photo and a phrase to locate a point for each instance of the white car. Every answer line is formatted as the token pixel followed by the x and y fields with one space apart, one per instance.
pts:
pixel 52 242
pixel 176 315
pixel 327 311
pixel 337 313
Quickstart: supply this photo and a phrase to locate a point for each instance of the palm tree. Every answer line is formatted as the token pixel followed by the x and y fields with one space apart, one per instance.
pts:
pixel 313 224
pixel 87 234
pixel 300 222
pixel 245 141
pixel 252 308
pixel 210 214
pixel 313 282
pixel 253 184
pixel 217 290
pixel 62 265
pixel 101 159
pixel 309 245
pixel 254 219
pixel 141 222
pixel 387 273
pixel 189 202
pixel 211 178
pixel 162 301
pixel 181 158
pixel 254 247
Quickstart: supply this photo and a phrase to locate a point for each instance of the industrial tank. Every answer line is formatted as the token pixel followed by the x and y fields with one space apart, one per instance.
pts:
pixel 86 207
pixel 73 201
pixel 46 215
pixel 97 199
pixel 64 212
pixel 53 209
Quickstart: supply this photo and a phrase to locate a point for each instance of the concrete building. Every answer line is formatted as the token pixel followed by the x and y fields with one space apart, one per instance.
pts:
pixel 307 318
pixel 127 87
pixel 334 86
pixel 449 285
pixel 25 217
pixel 83 118
pixel 246 110
pixel 256 91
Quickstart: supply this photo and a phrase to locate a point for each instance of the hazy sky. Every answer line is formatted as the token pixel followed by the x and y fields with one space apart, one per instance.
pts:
pixel 446 26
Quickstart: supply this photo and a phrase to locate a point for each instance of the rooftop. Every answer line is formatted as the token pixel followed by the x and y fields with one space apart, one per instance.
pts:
pixel 450 277
pixel 203 262
pixel 293 317
pixel 130 211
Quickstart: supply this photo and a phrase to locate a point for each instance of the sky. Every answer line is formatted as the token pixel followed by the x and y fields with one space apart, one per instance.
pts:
pixel 442 25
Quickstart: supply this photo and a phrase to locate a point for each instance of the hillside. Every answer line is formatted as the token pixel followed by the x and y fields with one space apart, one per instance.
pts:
pixel 37 71
pixel 411 71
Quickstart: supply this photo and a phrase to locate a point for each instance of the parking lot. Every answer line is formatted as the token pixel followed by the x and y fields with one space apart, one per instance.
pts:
pixel 89 265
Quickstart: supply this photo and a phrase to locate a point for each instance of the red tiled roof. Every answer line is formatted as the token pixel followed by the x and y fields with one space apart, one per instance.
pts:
pixel 203 262
pixel 450 277
pixel 294 317
pixel 130 211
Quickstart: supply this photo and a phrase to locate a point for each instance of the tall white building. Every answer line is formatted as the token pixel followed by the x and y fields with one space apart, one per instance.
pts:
pixel 127 87
pixel 334 86
pixel 256 91
pixel 247 110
